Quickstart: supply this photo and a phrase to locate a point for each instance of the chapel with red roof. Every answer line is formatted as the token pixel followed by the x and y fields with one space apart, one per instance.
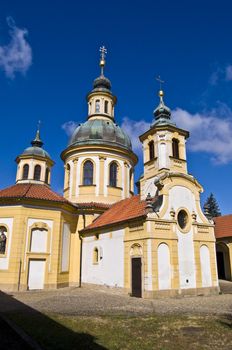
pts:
pixel 155 243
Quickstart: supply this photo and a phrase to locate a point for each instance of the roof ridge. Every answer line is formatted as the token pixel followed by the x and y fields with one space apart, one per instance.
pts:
pixel 27 190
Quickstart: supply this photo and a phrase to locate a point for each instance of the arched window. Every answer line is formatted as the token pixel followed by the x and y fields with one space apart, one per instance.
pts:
pixel 151 150
pixel 47 175
pixel 88 173
pixel 95 256
pixel 113 174
pixel 25 171
pixel 106 106
pixel 175 148
pixel 37 172
pixel 97 106
pixel 68 175
pixel 3 239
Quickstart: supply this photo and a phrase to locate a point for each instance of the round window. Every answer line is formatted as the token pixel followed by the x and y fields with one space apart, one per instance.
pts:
pixel 182 219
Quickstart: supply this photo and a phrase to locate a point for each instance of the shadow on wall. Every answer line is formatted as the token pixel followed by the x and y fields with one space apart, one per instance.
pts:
pixel 48 333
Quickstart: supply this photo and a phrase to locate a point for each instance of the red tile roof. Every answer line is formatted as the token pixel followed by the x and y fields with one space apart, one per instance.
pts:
pixel 119 212
pixel 31 191
pixel 223 226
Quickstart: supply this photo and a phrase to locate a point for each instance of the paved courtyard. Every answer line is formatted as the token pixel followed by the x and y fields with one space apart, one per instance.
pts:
pixel 102 301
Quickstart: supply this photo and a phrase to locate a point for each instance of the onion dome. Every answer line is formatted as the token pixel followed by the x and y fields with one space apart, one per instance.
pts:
pixel 36 148
pixel 100 132
pixel 101 83
pixel 162 113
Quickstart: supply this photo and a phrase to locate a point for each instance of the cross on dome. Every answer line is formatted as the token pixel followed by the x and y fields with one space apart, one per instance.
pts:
pixel 103 52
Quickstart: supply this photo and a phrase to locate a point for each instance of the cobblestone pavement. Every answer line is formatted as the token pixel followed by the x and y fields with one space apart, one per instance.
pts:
pixel 103 301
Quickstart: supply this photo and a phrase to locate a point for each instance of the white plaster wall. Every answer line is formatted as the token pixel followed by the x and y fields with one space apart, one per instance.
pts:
pixel 110 269
pixel 149 187
pixel 205 266
pixel 4 261
pixel 164 267
pixel 31 222
pixel 181 197
pixel 186 258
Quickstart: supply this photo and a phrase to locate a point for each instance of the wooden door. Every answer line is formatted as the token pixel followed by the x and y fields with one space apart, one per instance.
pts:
pixel 36 274
pixel 136 277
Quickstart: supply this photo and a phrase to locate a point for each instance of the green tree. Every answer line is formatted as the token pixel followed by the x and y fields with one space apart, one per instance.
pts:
pixel 211 207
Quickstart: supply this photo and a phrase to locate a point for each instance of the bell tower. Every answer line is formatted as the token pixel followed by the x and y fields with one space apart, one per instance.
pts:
pixel 163 148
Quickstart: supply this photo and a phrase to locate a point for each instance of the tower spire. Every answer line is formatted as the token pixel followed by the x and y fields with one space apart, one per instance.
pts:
pixel 103 52
pixel 37 141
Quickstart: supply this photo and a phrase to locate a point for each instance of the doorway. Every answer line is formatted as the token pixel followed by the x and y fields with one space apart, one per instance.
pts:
pixel 221 266
pixel 136 272
pixel 36 274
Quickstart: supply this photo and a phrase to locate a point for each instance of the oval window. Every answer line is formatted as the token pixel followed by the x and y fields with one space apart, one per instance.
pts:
pixel 182 219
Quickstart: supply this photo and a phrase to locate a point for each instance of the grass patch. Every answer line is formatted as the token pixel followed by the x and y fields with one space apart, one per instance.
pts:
pixel 58 332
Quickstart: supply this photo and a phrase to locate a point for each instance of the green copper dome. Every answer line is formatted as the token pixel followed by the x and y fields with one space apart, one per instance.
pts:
pixel 100 132
pixel 36 148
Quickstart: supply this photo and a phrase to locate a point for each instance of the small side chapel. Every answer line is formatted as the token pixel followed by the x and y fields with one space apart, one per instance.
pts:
pixel 155 243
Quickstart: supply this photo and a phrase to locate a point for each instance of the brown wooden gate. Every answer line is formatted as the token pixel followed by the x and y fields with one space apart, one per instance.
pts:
pixel 136 277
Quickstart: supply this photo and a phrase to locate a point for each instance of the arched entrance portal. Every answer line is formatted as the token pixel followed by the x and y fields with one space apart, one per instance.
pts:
pixel 223 261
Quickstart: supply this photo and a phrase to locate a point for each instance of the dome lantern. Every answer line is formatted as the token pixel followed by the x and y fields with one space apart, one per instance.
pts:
pixel 100 100
pixel 34 163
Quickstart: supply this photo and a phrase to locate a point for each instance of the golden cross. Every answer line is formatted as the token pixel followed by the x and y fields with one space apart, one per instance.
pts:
pixel 103 51
pixel 160 81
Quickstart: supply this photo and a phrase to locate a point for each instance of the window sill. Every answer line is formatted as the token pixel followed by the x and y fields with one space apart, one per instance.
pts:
pixel 150 161
pixel 87 185
pixel 116 187
pixel 182 160
pixel 95 263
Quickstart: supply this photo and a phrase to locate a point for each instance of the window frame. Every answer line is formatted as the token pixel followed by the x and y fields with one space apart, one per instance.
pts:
pixel 26 166
pixel 95 256
pixel 151 146
pixel 175 148
pixel 97 106
pixel 88 180
pixel 113 177
pixel 6 233
pixel 37 177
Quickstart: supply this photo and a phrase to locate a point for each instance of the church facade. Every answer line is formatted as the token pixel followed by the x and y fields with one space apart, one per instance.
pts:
pixel 158 242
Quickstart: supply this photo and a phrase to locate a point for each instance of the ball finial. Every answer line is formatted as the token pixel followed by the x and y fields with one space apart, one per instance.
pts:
pixel 161 93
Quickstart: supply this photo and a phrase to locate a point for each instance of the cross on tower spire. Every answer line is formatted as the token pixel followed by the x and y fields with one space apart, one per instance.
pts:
pixel 161 93
pixel 103 52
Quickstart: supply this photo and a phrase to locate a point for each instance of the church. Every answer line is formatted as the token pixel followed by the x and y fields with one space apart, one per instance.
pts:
pixel 155 243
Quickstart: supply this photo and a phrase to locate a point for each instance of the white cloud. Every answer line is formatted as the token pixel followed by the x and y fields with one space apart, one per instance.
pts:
pixel 17 55
pixel 210 132
pixel 134 129
pixel 69 127
pixel 228 73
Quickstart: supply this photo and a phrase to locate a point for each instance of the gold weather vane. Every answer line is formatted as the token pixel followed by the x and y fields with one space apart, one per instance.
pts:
pixel 161 93
pixel 103 52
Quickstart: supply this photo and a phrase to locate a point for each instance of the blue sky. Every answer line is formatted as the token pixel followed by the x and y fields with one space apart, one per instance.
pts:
pixel 49 59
